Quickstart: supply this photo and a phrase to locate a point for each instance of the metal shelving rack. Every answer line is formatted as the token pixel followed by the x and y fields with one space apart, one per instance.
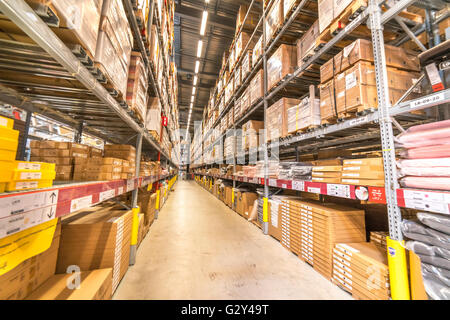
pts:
pixel 374 124
pixel 86 105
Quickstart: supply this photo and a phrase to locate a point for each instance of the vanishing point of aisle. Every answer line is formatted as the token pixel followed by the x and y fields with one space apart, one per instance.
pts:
pixel 200 249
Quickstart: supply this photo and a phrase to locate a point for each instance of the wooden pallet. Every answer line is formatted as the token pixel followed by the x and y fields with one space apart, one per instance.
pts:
pixel 109 85
pixel 345 18
pixel 154 134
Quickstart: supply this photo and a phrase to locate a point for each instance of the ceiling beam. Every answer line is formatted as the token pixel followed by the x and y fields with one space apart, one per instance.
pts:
pixel 213 19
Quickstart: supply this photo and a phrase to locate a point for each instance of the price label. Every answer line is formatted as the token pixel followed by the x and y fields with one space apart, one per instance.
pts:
pixel 105 195
pixel 298 185
pixel 338 190
pixel 27 202
pixel 120 191
pixel 272 182
pixel 427 101
pixel 130 185
pixel 80 203
pixel 438 207
pixel 314 190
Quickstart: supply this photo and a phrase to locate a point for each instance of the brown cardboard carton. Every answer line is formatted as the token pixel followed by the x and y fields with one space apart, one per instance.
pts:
pixel 364 182
pixel 307 43
pixel 364 162
pixel 256 88
pixel 327 101
pixel 327 71
pixel 94 285
pixel 326 14
pixel 274 19
pixel 277 118
pixel 280 64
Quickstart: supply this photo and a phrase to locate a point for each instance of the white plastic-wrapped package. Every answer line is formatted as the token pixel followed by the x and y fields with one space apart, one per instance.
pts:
pixel 423 163
pixel 425 172
pixel 436 282
pixel 437 183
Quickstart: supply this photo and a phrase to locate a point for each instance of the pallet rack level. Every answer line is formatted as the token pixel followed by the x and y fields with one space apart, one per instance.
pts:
pixel 375 123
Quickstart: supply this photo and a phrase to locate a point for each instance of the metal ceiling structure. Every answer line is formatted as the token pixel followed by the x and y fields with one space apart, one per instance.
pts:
pixel 219 35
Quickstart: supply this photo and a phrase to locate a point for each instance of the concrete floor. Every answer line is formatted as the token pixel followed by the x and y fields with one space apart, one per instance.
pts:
pixel 201 249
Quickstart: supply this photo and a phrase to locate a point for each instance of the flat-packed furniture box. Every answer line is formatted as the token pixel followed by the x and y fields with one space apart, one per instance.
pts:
pixel 246 66
pixel 257 51
pixel 153 118
pixel 367 171
pixel 277 118
pixel 114 44
pixel 78 21
pixel 94 285
pixel 228 191
pixel 147 203
pixel 101 169
pixel 244 202
pixel 251 134
pixel 326 13
pixel 275 218
pixel 256 88
pixel 361 269
pixel 20 282
pixel 280 64
pixel 137 86
pixel 96 238
pixel 241 43
pixel 312 229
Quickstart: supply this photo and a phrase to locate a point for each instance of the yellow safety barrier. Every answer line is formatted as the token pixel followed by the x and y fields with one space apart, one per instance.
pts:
pixel 135 226
pixel 157 199
pixel 398 273
pixel 265 210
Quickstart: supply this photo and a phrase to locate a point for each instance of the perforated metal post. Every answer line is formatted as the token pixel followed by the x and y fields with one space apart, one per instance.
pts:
pixel 135 208
pixel 396 252
pixel 265 223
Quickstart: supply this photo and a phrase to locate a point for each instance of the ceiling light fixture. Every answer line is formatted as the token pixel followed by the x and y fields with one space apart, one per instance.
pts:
pixel 193 90
pixel 195 80
pixel 192 99
pixel 197 66
pixel 199 48
pixel 203 25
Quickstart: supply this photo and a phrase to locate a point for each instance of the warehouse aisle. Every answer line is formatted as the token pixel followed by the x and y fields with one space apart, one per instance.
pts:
pixel 201 249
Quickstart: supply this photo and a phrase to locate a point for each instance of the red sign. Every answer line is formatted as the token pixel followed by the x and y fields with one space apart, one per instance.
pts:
pixel 164 121
pixel 377 195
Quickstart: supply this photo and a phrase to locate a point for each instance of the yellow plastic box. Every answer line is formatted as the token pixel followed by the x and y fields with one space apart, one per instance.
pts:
pixel 6 170
pixel 27 185
pixel 39 166
pixel 21 175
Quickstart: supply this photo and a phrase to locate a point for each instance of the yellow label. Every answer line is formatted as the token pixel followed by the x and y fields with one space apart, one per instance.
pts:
pixel 135 226
pixel 265 210
pixel 150 187
pixel 25 244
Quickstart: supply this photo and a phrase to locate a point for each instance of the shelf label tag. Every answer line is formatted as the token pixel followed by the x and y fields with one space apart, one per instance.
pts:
pixel 429 100
pixel 272 182
pixel 120 191
pixel 130 185
pixel 338 190
pixel 298 185
pixel 358 121
pixel 80 203
pixel 105 195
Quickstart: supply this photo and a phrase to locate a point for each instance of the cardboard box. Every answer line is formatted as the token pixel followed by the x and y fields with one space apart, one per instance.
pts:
pixel 364 162
pixel 280 64
pixel 274 19
pixel 256 88
pixel 307 43
pixel 244 202
pixel 250 132
pixel 96 241
pixel 326 13
pixel 94 285
pixel 277 118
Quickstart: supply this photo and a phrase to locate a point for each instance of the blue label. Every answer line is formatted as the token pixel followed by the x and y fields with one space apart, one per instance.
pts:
pixel 391 251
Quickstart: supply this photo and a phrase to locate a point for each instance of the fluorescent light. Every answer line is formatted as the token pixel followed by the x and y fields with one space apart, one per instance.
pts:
pixel 195 80
pixel 193 90
pixel 199 48
pixel 192 99
pixel 203 25
pixel 197 66
pixel 191 105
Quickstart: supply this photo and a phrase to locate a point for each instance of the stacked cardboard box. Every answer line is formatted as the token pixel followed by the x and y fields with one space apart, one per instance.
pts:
pixel 274 19
pixel 277 124
pixel 251 134
pixel 256 88
pixel 124 152
pixel 63 154
pixel 137 86
pixel 31 175
pixel 378 238
pixel 99 169
pixel 304 115
pixel 9 140
pixel 96 238
pixel 114 45
pixel 368 172
pixel 315 228
pixel 250 23
pixel 280 64
pixel 328 173
pixel 21 281
pixel 361 269
pixel 307 43
pixel 348 82
pixel 147 204
pixel 244 202
pixel 229 146
pixel 94 285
